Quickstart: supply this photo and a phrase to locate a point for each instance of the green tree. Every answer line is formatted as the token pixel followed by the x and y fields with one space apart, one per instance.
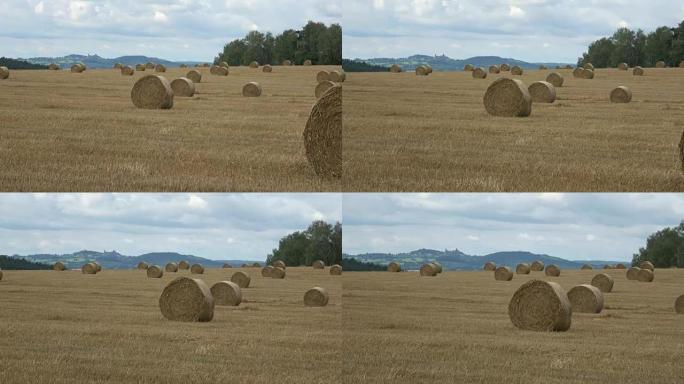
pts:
pixel 664 248
pixel 320 241
pixel 285 46
pixel 600 53
pixel 659 46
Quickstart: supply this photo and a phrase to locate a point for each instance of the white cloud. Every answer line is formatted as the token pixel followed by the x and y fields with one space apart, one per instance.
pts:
pixel 160 17
pixel 516 12
pixel 39 8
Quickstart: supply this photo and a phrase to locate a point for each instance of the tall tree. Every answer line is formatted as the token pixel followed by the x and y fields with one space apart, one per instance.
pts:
pixel 659 46
pixel 320 241
pixel 664 248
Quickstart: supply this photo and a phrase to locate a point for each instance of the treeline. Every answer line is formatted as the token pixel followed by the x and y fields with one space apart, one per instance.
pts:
pixel 360 66
pixel 664 248
pixel 351 264
pixel 316 42
pixel 638 48
pixel 19 64
pixel 12 263
pixel 321 241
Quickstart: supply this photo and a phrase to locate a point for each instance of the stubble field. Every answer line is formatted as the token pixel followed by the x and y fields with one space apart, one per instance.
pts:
pixel 66 327
pixel 61 131
pixel 402 328
pixel 404 132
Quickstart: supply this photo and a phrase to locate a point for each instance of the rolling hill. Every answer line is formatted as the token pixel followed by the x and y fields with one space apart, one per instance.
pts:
pixel 115 260
pixel 457 260
pixel 95 61
pixel 445 63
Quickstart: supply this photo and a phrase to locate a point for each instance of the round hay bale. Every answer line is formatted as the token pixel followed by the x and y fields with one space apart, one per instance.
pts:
pixel 323 87
pixel 194 76
pixel 646 265
pixel 503 274
pixel 645 275
pixel 468 68
pixel 508 98
pixel 621 94
pixel 183 87
pixel 479 73
pixel 183 265
pixel 438 266
pixel 127 71
pixel 150 65
pixel 660 64
pixel 186 299
pixel 633 273
pixel 589 66
pixel 586 267
pixel 494 69
pixel 266 271
pixel 323 134
pixel 98 267
pixel 140 68
pixel 537 266
pixel 623 66
pixel 171 267
pixel 543 67
pixel 393 267
pixel 578 73
pixel 607 266
pixel 159 68
pixel 118 66
pixel 142 266
pixel 556 79
pixel 244 266
pixel 224 65
pixel 505 68
pixel 522 269
pixel 540 306
pixel 287 63
pixel 58 266
pixel 89 269
pixel 395 68
pixel 77 68
pixel 251 89
pixel 517 71
pixel 489 266
pixel 267 69
pixel 620 266
pixel 542 92
pixel 586 299
pixel 254 65
pixel 226 293
pixel 54 67
pixel 603 282
pixel 183 66
pixel 428 269
pixel 279 263
pixel 227 266
pixel 422 70
pixel 316 297
pixel 679 304
pixel 638 71
pixel 552 270
pixel 336 76
pixel 197 269
pixel 588 74
pixel 278 273
pixel 219 71
pixel 335 269
pixel 307 63
pixel 322 76
pixel 241 279
pixel 154 272
pixel 318 264
pixel 152 92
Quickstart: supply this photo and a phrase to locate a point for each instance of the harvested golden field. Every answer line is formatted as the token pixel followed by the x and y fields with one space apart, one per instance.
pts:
pixel 61 131
pixel 65 327
pixel 404 132
pixel 402 328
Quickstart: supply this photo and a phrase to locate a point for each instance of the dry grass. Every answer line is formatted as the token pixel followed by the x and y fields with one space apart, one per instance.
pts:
pixel 73 328
pixel 435 135
pixel 81 132
pixel 400 328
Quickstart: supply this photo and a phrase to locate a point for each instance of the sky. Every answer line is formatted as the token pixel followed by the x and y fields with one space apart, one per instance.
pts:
pixel 572 226
pixel 530 30
pixel 214 226
pixel 191 30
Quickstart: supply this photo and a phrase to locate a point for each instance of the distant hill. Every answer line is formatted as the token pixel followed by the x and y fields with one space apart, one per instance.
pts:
pixel 445 63
pixel 12 263
pixel 19 64
pixel 115 260
pixel 95 61
pixel 457 260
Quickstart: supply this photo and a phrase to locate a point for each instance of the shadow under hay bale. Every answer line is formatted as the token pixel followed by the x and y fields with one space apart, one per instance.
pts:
pixel 188 300
pixel 152 92
pixel 226 293
pixel 586 299
pixel 540 306
pixel 316 297
pixel 508 98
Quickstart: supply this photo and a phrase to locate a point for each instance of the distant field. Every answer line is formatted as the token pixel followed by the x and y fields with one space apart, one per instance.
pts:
pixel 408 133
pixel 80 132
pixel 402 328
pixel 65 327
